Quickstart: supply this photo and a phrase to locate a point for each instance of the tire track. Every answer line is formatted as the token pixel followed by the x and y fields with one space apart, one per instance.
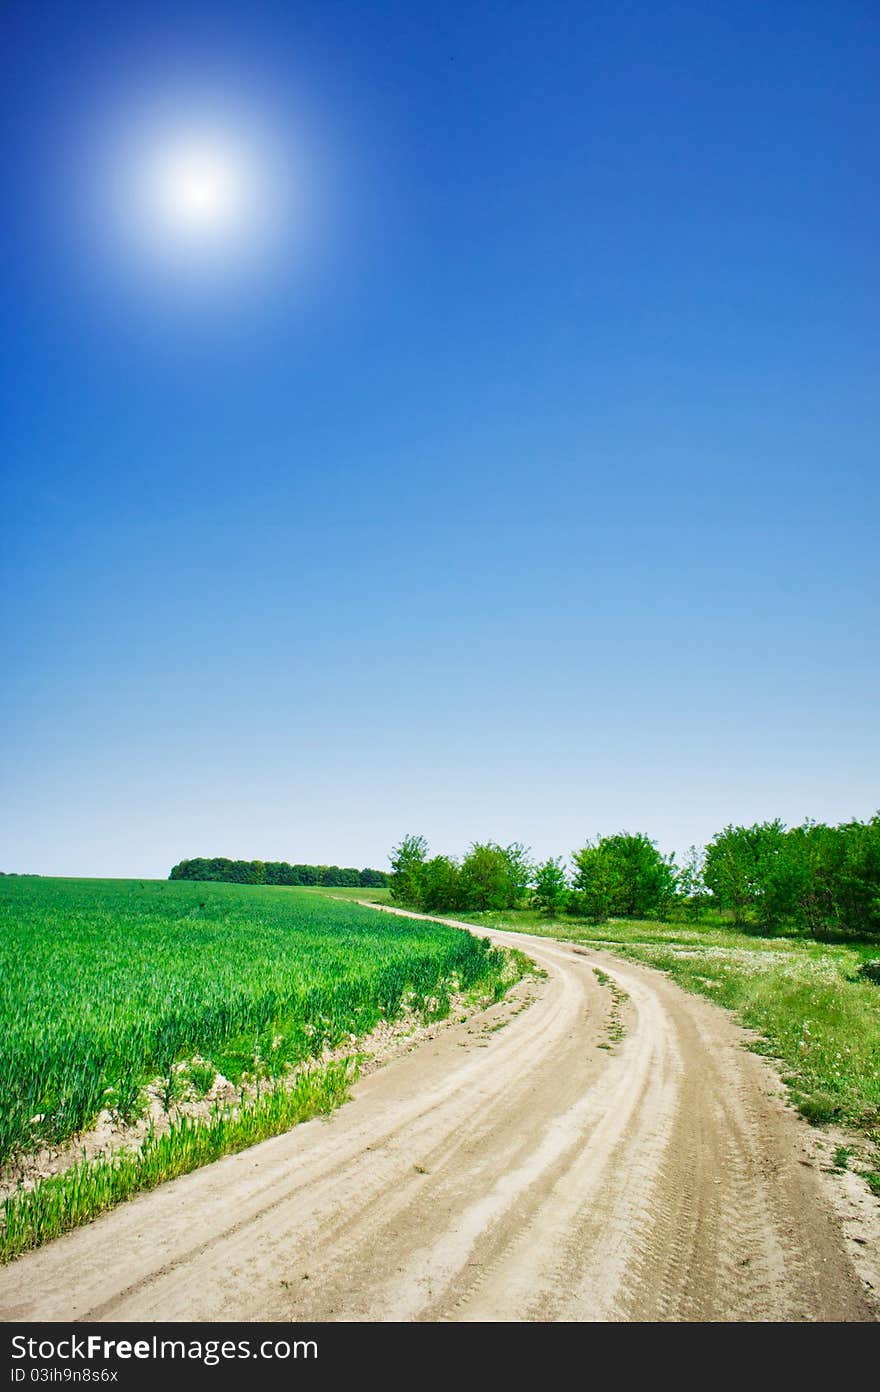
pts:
pixel 537 1176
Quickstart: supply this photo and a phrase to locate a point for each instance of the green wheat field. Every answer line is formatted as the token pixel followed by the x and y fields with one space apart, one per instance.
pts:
pixel 108 985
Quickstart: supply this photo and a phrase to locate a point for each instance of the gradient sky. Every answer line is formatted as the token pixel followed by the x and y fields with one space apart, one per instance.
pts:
pixel 532 494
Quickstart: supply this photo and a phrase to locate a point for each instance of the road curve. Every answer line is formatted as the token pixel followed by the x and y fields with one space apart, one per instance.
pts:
pixel 575 1153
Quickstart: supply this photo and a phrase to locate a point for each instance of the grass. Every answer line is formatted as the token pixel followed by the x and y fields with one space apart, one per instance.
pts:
pixel 370 896
pixel 106 986
pixel 808 1002
pixel 77 1195
pixel 615 1029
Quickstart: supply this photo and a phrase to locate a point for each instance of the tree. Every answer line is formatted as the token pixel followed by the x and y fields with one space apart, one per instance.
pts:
pixel 746 871
pixel 857 891
pixel 690 885
pixel 551 892
pixel 373 879
pixel 493 876
pixel 328 875
pixel 823 880
pixel 407 863
pixel 439 885
pixel 624 875
pixel 273 872
pixel 591 890
pixel 839 878
pixel 520 872
pixel 241 872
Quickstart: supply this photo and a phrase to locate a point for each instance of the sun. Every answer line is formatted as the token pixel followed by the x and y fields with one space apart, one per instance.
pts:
pixel 200 189
pixel 196 199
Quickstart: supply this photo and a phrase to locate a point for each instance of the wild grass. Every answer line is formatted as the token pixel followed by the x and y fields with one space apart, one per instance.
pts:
pixel 812 1005
pixel 58 1204
pixel 615 1029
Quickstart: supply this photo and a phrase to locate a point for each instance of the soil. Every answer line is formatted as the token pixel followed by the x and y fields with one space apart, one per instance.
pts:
pixel 586 1149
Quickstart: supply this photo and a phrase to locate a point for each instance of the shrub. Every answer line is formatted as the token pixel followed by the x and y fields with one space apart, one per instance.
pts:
pixel 623 875
pixel 551 893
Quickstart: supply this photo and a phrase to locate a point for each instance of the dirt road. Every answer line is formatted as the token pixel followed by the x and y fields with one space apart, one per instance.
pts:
pixel 596 1154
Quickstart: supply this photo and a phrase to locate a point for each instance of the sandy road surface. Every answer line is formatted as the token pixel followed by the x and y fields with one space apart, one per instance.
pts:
pixel 515 1167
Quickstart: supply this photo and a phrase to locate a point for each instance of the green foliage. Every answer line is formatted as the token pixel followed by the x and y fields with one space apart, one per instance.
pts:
pixel 493 876
pixel 819 879
pixel 489 877
pixel 623 876
pixel 439 885
pixel 200 1076
pixel 275 872
pixel 741 869
pixel 812 879
pixel 372 879
pixel 105 985
pixel 690 884
pixel 550 894
pixel 407 863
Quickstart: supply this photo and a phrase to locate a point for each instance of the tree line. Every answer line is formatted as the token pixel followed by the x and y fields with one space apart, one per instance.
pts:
pixel 277 872
pixel 814 879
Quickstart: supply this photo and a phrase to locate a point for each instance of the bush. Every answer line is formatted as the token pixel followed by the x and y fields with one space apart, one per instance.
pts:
pixel 439 885
pixel 739 870
pixel 551 893
pixel 818 879
pixel 494 877
pixel 690 884
pixel 814 878
pixel 623 875
pixel 407 863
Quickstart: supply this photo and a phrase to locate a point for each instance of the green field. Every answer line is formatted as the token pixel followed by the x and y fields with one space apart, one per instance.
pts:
pixel 366 896
pixel 105 985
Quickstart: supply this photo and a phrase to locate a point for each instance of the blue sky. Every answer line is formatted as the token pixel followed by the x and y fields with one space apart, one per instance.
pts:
pixel 532 495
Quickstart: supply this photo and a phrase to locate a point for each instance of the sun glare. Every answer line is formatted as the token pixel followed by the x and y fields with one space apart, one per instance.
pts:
pixel 200 199
pixel 198 195
pixel 194 197
pixel 200 190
